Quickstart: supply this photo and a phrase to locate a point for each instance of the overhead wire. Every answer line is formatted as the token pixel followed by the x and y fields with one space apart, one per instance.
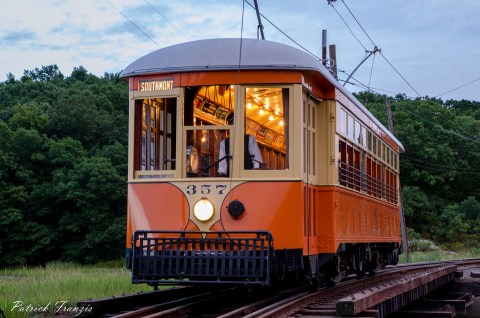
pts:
pixel 454 89
pixel 391 65
pixel 371 71
pixel 438 126
pixel 346 24
pixel 390 62
pixel 404 79
pixel 281 31
pixel 298 44
pixel 168 21
pixel 429 165
pixel 377 90
pixel 128 19
pixel 358 22
pixel 368 87
pixel 368 36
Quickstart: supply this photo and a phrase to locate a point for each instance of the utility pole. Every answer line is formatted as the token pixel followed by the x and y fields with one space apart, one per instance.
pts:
pixel 403 226
pixel 390 117
pixel 260 25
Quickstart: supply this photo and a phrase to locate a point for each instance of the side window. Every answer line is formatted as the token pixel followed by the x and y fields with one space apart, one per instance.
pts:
pixel 357 132
pixel 350 127
pixel 342 121
pixel 266 127
pixel 155 129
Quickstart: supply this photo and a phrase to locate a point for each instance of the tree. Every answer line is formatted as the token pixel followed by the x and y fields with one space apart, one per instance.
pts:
pixel 441 162
pixel 63 160
pixel 44 74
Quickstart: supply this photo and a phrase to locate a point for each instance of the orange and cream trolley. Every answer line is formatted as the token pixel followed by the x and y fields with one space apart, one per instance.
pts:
pixel 321 200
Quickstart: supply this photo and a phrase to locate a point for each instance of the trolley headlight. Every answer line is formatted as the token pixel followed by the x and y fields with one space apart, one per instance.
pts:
pixel 203 210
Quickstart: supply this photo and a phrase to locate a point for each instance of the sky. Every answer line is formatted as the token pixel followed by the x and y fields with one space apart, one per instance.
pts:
pixel 427 47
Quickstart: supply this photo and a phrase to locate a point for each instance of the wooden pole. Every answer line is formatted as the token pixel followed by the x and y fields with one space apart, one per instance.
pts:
pixel 402 212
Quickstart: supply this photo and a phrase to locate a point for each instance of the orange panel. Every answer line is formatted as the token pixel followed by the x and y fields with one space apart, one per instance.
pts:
pixel 272 206
pixel 242 77
pixel 325 241
pixel 344 216
pixel 155 206
pixel 363 219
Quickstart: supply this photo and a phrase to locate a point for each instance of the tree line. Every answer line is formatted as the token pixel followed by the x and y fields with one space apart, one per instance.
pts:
pixel 440 169
pixel 63 166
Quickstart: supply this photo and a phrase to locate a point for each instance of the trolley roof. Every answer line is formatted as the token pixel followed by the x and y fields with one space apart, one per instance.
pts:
pixel 226 54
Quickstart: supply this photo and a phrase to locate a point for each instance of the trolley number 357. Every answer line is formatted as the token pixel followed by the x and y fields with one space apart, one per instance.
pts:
pixel 206 189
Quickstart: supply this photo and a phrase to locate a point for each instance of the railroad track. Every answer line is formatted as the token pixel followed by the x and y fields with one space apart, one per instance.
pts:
pixel 378 296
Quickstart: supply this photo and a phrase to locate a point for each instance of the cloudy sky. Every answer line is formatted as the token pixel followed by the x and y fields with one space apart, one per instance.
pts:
pixel 428 47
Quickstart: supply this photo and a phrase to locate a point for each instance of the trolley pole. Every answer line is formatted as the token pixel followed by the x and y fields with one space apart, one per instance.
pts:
pixel 402 212
pixel 260 25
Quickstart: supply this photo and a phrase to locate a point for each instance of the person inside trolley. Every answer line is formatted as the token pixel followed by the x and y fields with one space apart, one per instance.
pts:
pixel 252 156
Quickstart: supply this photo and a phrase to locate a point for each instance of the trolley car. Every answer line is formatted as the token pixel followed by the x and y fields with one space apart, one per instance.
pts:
pixel 321 203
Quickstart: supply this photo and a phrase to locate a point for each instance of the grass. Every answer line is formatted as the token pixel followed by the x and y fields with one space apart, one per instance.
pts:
pixel 426 251
pixel 29 291
pixel 32 291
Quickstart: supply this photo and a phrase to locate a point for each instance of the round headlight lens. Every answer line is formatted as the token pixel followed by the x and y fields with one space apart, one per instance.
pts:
pixel 203 210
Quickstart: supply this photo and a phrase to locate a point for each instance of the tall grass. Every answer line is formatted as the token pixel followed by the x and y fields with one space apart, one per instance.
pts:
pixel 29 291
pixel 426 251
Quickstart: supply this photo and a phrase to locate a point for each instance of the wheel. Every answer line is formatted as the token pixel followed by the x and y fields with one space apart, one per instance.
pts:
pixel 360 260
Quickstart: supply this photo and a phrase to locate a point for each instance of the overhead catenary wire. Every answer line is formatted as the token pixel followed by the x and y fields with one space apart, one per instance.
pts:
pixel 297 43
pixel 285 34
pixel 133 23
pixel 438 126
pixel 371 40
pixel 168 21
pixel 454 89
pixel 377 90
pixel 346 24
pixel 478 79
pixel 428 165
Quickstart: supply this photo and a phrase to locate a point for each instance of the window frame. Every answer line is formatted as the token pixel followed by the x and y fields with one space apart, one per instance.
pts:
pixel 240 116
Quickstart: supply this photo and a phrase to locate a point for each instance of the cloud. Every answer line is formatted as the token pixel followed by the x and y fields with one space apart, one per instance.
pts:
pixel 17 37
pixel 431 43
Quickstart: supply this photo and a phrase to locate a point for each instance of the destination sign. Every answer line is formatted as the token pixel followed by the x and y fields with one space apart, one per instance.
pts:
pixel 155 85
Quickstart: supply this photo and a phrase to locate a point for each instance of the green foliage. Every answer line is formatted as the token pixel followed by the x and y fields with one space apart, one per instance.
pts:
pixel 420 246
pixel 63 163
pixel 63 159
pixel 62 281
pixel 440 167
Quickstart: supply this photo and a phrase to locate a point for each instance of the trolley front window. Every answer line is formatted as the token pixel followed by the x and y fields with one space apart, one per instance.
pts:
pixel 266 118
pixel 155 141
pixel 228 129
